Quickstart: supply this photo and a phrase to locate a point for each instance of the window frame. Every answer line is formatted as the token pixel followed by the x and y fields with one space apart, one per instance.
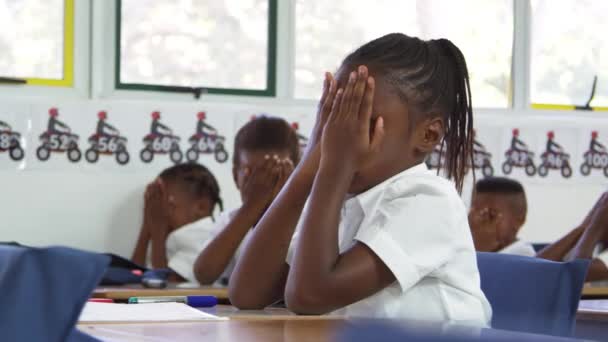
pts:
pixel 512 96
pixel 76 60
pixel 537 106
pixel 271 64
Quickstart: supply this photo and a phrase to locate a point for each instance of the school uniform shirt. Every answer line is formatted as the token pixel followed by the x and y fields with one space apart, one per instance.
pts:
pixel 184 245
pixel 602 255
pixel 519 247
pixel 416 223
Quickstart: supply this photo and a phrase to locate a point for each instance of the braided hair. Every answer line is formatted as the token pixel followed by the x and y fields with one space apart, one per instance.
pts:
pixel 197 181
pixel 431 77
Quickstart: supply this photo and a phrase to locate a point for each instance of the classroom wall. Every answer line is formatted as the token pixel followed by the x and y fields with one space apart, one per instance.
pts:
pixel 98 207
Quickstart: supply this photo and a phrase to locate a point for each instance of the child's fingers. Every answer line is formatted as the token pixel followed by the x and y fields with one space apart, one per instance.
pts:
pixel 325 89
pixel 335 107
pixel 367 103
pixel 359 91
pixel 347 97
pixel 288 166
pixel 328 102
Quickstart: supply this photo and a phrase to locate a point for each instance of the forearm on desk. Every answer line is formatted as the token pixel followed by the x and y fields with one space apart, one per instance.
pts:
pixel 261 271
pixel 216 256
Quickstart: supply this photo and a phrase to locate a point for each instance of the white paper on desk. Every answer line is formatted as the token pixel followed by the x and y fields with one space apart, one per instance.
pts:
pixel 151 312
pixel 600 305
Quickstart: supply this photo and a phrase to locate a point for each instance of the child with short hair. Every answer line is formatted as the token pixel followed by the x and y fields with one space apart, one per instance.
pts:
pixel 178 209
pixel 382 236
pixel 499 209
pixel 265 152
pixel 497 213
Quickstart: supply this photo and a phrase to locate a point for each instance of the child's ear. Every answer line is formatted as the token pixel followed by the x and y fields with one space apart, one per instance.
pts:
pixel 430 134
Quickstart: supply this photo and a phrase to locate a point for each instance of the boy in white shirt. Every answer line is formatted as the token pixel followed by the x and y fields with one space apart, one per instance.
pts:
pixel 381 236
pixel 178 208
pixel 498 211
pixel 265 152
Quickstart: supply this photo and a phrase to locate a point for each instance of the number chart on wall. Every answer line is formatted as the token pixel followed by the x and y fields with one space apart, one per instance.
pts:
pixel 14 124
pixel 120 138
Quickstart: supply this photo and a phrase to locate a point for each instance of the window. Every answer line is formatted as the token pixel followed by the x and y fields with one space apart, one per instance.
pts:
pixel 569 48
pixel 327 30
pixel 222 46
pixel 36 40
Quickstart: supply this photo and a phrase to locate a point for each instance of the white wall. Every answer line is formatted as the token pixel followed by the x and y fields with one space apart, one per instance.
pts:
pixel 98 207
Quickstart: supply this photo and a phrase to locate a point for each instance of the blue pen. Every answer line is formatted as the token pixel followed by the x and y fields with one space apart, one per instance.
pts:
pixel 194 301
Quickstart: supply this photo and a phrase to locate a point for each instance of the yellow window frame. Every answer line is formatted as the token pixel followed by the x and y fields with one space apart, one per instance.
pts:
pixel 68 52
pixel 548 106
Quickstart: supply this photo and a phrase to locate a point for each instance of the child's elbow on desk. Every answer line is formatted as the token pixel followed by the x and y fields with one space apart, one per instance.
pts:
pixel 244 300
pixel 304 300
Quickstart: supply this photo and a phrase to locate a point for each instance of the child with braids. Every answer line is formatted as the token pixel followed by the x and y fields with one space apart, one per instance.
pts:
pixel 178 214
pixel 381 236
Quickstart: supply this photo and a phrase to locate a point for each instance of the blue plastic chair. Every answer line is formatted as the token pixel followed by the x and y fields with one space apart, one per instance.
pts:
pixel 532 294
pixel 43 290
pixel 539 246
pixel 395 331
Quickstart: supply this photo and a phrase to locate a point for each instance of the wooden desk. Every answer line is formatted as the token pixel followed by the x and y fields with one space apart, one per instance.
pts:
pixel 592 319
pixel 590 292
pixel 231 330
pixel 124 292
pixel 271 324
pixel 592 310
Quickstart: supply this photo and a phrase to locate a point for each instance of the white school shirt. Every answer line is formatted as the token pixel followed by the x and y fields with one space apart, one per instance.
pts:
pixel 519 247
pixel 416 223
pixel 184 245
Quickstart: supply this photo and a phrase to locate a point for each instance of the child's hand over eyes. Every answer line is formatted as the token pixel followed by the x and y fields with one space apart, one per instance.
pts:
pixel 484 227
pixel 156 208
pixel 259 184
pixel 347 137
pixel 282 170
pixel 312 154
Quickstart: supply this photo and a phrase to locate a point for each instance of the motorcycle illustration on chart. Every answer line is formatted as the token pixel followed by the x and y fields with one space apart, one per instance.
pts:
pixel 596 157
pixel 161 140
pixel 107 141
pixel 436 159
pixel 58 138
pixel 206 140
pixel 302 140
pixel 10 141
pixel 554 158
pixel 482 159
pixel 519 156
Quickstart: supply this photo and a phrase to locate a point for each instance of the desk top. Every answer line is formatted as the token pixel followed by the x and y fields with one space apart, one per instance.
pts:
pixel 124 292
pixel 592 310
pixel 271 325
pixel 231 330
pixel 590 291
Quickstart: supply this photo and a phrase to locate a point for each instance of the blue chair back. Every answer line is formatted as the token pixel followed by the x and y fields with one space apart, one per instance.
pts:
pixel 43 290
pixel 539 246
pixel 397 331
pixel 532 294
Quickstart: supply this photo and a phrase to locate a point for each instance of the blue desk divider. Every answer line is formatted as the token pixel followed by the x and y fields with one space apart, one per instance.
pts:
pixel 532 294
pixel 395 331
pixel 43 290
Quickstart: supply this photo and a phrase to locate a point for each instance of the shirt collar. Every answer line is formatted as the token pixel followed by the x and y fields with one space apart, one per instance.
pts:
pixel 369 199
